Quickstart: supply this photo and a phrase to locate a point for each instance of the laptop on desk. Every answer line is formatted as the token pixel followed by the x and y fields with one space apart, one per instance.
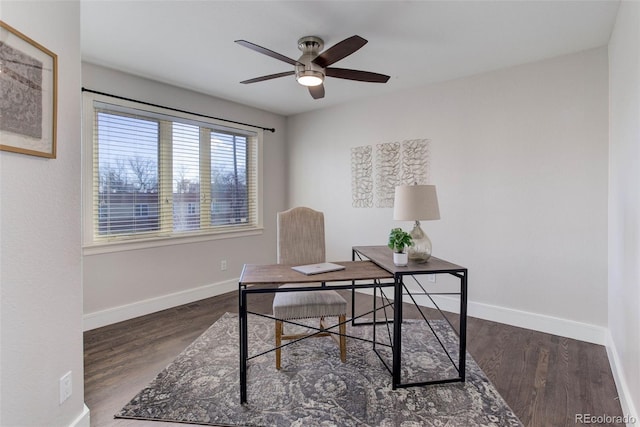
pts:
pixel 322 267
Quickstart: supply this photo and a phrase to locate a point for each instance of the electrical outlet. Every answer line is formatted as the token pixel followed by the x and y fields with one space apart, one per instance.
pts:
pixel 223 265
pixel 65 387
pixel 431 278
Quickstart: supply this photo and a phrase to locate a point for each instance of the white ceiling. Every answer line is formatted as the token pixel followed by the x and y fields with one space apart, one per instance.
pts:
pixel 191 43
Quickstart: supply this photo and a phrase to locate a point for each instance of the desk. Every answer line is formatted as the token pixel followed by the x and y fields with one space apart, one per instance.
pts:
pixel 383 257
pixel 377 267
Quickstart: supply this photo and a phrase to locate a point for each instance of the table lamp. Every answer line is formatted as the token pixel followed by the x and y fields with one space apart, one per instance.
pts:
pixel 415 203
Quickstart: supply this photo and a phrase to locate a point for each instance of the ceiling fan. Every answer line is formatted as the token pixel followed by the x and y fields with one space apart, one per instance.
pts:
pixel 312 67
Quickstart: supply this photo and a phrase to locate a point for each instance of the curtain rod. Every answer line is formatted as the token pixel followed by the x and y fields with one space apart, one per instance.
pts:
pixel 175 109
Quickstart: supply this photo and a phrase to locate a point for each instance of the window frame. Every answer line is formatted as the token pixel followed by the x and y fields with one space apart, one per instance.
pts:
pixel 94 245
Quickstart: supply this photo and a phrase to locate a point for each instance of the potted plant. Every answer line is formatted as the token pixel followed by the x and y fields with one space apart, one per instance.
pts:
pixel 398 241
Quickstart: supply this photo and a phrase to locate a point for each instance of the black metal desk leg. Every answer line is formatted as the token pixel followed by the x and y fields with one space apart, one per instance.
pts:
pixel 353 294
pixel 375 310
pixel 463 325
pixel 397 332
pixel 243 344
pixel 353 303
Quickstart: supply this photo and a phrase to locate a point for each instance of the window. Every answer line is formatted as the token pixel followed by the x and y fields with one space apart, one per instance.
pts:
pixel 142 210
pixel 159 175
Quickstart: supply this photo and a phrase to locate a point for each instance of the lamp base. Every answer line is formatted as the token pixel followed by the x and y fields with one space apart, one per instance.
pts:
pixel 420 251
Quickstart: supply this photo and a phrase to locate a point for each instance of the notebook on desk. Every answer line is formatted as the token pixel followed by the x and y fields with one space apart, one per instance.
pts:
pixel 322 267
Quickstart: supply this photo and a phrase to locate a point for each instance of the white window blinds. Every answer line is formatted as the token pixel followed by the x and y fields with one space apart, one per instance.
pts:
pixel 156 174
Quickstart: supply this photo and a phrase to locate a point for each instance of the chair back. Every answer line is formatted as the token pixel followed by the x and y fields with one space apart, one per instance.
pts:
pixel 300 236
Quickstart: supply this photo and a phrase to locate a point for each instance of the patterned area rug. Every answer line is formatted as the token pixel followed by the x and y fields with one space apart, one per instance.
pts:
pixel 314 388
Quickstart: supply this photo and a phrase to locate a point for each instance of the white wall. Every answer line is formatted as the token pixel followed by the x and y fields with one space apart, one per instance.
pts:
pixel 519 157
pixel 624 203
pixel 121 285
pixel 41 307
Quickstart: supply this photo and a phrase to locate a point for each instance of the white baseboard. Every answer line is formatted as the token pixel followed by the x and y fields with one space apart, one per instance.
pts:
pixel 626 402
pixel 523 319
pixel 140 308
pixel 540 322
pixel 83 419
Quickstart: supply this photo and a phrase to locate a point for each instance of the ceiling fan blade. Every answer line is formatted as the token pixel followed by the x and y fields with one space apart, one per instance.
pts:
pixel 339 50
pixel 317 92
pixel 267 52
pixel 269 77
pixel 362 76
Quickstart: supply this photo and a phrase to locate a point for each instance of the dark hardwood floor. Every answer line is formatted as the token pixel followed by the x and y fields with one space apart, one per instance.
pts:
pixel 545 379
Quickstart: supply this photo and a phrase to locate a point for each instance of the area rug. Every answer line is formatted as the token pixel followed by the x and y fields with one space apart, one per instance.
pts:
pixel 313 388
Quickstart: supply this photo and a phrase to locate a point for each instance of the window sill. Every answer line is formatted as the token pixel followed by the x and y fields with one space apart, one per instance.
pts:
pixel 154 242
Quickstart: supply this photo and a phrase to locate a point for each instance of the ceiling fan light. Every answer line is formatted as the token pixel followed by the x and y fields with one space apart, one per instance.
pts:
pixel 310 78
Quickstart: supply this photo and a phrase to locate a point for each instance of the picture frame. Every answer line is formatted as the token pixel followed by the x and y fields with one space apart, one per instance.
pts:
pixel 28 95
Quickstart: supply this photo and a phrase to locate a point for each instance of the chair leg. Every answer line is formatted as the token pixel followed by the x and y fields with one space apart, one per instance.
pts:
pixel 278 343
pixel 343 339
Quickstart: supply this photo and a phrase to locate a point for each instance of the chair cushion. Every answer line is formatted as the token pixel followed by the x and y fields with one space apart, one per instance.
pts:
pixel 302 305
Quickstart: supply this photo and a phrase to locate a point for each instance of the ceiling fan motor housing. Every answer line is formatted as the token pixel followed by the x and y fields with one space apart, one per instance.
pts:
pixel 307 70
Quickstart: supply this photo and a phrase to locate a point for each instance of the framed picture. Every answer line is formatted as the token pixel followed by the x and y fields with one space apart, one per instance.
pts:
pixel 28 95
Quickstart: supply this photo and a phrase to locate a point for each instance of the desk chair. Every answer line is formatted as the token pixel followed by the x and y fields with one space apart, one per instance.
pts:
pixel 301 241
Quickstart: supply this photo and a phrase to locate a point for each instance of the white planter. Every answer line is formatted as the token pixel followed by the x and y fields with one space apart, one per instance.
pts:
pixel 400 259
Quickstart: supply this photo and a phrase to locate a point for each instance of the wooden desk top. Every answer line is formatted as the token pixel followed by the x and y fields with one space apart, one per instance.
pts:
pixel 255 274
pixel 383 257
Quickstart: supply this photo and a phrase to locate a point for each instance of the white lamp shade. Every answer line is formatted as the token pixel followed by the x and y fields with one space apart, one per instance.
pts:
pixel 415 203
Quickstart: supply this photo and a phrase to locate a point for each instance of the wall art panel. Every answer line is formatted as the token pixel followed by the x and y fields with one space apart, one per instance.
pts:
pixel 375 174
pixel 362 177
